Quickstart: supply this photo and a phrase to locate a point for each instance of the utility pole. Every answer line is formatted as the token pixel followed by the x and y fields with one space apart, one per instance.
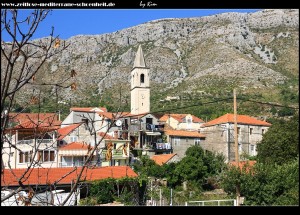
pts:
pixel 160 196
pixel 236 144
pixel 171 203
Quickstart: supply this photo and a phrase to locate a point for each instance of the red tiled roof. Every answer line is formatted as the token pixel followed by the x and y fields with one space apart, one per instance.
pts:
pixel 116 115
pixel 24 117
pixel 44 176
pixel 87 109
pixel 248 164
pixel 105 136
pixel 64 131
pixel 39 121
pixel 241 119
pixel 75 146
pixel 108 115
pixel 179 118
pixel 36 126
pixel 163 158
pixel 182 133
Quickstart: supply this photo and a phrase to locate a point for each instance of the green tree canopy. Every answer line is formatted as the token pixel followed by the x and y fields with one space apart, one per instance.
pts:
pixel 280 144
pixel 265 184
pixel 198 165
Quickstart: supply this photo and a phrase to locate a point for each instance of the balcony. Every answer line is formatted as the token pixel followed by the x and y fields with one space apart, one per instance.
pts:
pixel 151 127
pixel 115 154
pixel 158 146
pixel 31 141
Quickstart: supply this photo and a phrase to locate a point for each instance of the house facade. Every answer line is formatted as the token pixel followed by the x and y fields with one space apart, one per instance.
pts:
pixel 116 153
pixel 181 140
pixel 220 135
pixel 182 121
pixel 31 140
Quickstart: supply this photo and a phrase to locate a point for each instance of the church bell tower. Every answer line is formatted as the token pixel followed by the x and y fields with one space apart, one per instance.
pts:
pixel 140 85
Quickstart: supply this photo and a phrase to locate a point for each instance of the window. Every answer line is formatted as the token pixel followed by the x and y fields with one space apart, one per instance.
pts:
pixel 142 78
pixel 197 142
pixel 262 131
pixel 46 156
pixel 73 139
pixel 238 130
pixel 176 141
pixel 251 131
pixel 240 147
pixel 189 123
pixel 25 157
pixel 252 150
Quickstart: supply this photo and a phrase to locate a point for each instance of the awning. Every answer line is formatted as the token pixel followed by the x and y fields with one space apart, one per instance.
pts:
pixel 153 133
pixel 73 152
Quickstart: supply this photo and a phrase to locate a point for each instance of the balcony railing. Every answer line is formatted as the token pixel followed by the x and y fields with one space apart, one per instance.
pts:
pixel 115 154
pixel 31 141
pixel 78 163
pixel 159 146
pixel 151 127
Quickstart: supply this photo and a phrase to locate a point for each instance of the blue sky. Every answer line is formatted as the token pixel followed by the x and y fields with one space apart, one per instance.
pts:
pixel 71 22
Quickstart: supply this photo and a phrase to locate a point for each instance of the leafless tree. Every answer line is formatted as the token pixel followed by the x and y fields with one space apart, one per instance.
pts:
pixel 21 60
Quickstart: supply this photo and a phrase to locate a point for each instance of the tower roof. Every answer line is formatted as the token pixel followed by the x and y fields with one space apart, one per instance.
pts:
pixel 139 58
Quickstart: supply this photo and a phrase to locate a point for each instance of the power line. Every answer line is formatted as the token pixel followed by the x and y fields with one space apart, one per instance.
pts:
pixel 194 105
pixel 266 103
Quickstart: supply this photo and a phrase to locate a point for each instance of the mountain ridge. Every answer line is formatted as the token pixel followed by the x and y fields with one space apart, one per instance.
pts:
pixel 255 52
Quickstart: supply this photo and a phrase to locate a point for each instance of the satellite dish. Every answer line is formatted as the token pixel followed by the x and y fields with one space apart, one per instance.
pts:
pixel 118 122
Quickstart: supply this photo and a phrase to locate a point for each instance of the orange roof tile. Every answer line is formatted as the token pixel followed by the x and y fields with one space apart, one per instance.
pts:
pixel 64 131
pixel 44 176
pixel 241 119
pixel 179 118
pixel 36 126
pixel 39 121
pixel 108 115
pixel 242 164
pixel 197 119
pixel 163 158
pixel 105 136
pixel 182 133
pixel 87 109
pixel 75 146
pixel 24 117
pixel 116 115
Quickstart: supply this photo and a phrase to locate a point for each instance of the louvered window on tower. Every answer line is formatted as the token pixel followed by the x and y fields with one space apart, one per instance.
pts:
pixel 142 78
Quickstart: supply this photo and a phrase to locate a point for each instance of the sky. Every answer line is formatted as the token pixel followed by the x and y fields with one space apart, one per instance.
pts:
pixel 71 22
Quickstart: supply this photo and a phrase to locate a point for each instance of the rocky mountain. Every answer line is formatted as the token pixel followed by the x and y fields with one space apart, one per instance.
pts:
pixel 193 59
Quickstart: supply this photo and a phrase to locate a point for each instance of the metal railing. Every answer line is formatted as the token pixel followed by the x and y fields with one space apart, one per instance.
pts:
pixel 150 127
pixel 158 146
pixel 212 203
pixel 31 141
pixel 115 153
pixel 78 163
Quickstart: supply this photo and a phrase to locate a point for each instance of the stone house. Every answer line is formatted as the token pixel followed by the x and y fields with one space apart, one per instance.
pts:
pixel 220 135
pixel 181 140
